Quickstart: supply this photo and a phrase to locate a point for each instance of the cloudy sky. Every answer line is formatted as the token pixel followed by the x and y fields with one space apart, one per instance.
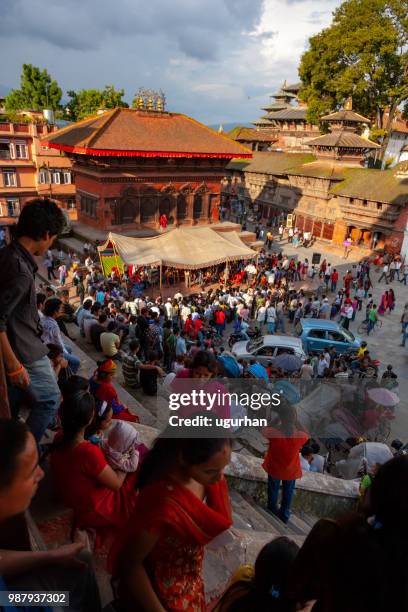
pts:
pixel 216 60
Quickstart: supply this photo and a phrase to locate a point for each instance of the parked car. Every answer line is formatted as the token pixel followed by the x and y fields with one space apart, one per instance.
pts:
pixel 318 335
pixel 267 348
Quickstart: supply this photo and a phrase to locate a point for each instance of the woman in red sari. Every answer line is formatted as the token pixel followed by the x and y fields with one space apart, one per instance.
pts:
pixel 100 496
pixel 183 504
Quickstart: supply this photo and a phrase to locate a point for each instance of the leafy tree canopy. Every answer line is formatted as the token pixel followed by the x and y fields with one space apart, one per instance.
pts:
pixel 88 101
pixel 362 54
pixel 37 91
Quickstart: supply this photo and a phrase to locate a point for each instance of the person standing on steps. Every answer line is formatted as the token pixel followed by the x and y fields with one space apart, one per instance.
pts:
pixel 282 463
pixel 28 369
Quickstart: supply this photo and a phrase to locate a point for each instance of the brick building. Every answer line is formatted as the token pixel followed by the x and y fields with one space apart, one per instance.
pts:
pixel 330 192
pixel 28 169
pixel 132 165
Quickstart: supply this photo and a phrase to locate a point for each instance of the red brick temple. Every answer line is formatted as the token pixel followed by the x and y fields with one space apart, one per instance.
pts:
pixel 131 166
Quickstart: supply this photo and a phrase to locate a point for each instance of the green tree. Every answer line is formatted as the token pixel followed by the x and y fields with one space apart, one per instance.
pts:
pixel 37 91
pixel 87 102
pixel 362 54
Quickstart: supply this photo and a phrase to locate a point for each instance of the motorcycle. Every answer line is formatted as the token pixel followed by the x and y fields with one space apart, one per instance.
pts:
pixel 237 337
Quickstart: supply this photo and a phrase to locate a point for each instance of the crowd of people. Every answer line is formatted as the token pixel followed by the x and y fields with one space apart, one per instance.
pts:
pixel 157 508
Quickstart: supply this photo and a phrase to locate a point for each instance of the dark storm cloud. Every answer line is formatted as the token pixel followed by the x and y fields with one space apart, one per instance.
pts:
pixel 197 27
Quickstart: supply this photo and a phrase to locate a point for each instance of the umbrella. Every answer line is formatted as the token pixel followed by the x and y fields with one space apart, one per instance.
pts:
pixel 384 397
pixel 258 371
pixel 289 391
pixel 288 362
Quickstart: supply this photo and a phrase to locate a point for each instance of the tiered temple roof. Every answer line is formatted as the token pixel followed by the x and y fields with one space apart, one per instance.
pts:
pixel 343 142
pixel 282 102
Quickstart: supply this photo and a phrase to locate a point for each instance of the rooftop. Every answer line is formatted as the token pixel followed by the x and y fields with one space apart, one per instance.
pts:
pixel 271 162
pixel 135 133
pixel 345 115
pixel 399 125
pixel 289 114
pixel 371 184
pixel 318 169
pixel 293 87
pixel 361 183
pixel 247 134
pixel 343 140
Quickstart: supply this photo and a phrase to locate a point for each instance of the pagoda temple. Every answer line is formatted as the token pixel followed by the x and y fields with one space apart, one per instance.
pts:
pixel 286 119
pixel 133 165
pixel 343 143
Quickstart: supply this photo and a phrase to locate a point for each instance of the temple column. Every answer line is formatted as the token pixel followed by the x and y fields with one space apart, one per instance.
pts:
pixel 137 215
pixel 205 214
pixel 157 211
pixel 190 208
pixel 173 208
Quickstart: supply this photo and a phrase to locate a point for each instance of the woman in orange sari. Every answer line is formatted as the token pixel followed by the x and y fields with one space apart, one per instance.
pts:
pixel 182 505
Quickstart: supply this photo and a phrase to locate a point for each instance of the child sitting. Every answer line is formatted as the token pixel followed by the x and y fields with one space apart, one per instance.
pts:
pixel 121 447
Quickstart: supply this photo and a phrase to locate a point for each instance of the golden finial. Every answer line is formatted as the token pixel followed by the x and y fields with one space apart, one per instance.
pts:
pixel 348 105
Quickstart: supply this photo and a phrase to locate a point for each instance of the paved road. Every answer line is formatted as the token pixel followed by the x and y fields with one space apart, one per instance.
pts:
pixel 383 344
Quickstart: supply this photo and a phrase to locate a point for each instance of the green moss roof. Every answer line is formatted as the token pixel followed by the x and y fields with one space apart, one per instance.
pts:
pixel 319 169
pixel 234 132
pixel 375 185
pixel 272 162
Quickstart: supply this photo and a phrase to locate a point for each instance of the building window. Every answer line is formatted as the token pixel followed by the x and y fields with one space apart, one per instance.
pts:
pixel 71 204
pixel 5 150
pixel 379 206
pixel 9 178
pixel 43 176
pixel 55 177
pixel 67 177
pixel 21 150
pixel 88 205
pixel 11 208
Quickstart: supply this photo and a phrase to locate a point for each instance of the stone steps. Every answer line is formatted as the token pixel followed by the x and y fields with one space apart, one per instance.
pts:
pixel 247 512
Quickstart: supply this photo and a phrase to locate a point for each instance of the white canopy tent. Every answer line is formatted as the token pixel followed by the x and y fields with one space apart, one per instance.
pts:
pixel 183 248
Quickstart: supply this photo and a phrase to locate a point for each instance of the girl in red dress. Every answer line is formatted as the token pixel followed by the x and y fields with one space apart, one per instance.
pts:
pixel 102 389
pixel 183 504
pixel 99 496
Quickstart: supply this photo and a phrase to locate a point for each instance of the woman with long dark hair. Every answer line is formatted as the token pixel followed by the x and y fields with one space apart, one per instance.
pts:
pixel 263 587
pixel 182 505
pixel 99 495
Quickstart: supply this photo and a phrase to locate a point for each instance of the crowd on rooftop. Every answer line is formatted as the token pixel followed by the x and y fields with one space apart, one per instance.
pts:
pixel 158 508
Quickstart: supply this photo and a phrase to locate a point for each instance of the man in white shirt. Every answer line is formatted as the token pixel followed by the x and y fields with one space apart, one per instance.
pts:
pixel 260 316
pixel 384 274
pixel 271 318
pixel 169 309
pixel 347 314
pixel 322 366
pixel 398 265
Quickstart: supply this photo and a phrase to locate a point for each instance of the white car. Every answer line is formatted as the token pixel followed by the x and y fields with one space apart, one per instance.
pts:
pixel 266 348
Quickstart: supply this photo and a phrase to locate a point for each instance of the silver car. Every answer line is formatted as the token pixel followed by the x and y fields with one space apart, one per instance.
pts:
pixel 266 348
